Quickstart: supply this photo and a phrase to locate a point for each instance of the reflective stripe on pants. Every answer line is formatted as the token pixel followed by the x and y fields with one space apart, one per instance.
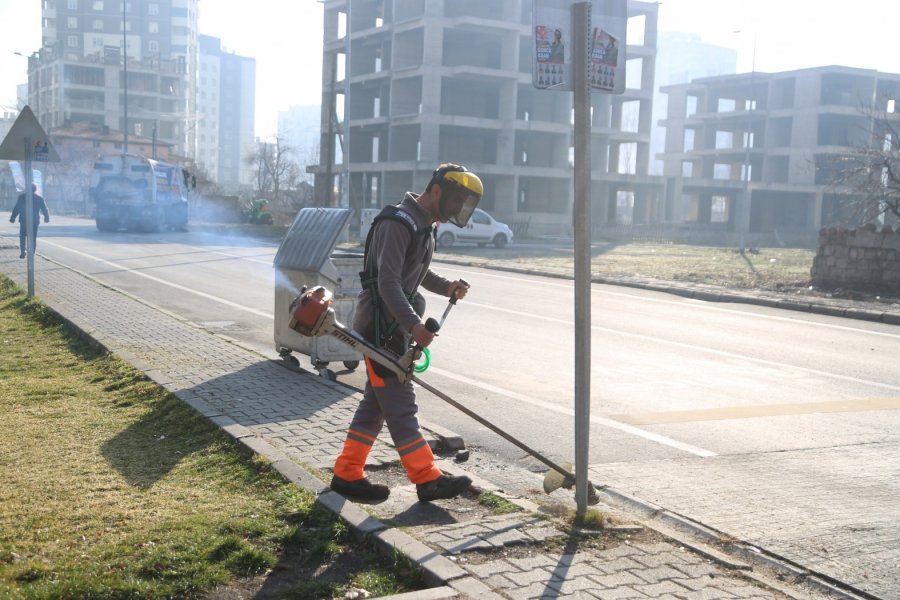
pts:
pixel 387 401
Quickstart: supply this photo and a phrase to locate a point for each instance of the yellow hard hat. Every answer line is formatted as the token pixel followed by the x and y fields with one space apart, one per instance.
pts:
pixel 466 179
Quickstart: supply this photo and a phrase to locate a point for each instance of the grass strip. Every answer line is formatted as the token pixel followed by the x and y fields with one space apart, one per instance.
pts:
pixel 113 488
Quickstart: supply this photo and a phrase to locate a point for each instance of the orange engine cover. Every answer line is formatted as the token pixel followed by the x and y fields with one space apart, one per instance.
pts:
pixel 308 308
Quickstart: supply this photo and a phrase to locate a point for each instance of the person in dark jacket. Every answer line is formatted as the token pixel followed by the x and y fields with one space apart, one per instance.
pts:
pixel 39 207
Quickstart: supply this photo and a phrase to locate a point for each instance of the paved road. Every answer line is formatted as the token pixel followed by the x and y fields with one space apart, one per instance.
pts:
pixel 823 506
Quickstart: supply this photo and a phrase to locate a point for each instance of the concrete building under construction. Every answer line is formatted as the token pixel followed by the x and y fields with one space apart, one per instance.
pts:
pixel 409 84
pixel 787 131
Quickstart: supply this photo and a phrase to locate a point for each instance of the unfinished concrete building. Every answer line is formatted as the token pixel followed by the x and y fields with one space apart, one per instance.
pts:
pixel 408 84
pixel 789 128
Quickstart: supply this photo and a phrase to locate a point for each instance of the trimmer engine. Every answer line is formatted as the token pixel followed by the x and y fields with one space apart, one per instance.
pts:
pixel 310 310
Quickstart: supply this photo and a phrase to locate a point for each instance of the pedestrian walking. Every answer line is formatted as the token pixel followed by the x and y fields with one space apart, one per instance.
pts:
pixel 397 262
pixel 39 207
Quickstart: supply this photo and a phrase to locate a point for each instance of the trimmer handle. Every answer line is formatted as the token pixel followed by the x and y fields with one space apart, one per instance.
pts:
pixel 432 325
pixel 453 298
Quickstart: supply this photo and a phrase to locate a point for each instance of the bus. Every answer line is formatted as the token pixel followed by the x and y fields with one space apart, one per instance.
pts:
pixel 138 194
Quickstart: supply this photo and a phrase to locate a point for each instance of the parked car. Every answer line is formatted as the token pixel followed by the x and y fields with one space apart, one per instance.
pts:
pixel 481 229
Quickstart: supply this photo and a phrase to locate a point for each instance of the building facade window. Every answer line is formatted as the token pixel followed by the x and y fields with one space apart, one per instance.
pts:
pixel 98 4
pixel 153 8
pixel 72 4
pixel 98 24
pixel 718 209
pixel 153 46
pixel 72 22
pixel 72 41
pixel 153 27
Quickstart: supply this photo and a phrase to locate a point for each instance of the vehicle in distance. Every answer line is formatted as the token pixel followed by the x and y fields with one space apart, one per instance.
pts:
pixel 482 229
pixel 137 193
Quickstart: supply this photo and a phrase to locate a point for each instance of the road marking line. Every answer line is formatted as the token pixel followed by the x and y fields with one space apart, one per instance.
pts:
pixel 223 253
pixel 624 427
pixel 726 413
pixel 182 288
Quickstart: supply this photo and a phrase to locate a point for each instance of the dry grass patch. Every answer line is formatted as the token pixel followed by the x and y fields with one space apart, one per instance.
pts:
pixel 763 268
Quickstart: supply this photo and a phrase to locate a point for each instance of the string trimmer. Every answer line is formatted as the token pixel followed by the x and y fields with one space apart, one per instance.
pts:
pixel 312 315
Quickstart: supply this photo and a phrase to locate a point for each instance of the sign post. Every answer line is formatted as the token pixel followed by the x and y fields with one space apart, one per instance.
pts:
pixel 27 141
pixel 595 62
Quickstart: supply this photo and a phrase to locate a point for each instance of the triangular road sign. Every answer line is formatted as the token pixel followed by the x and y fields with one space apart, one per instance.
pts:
pixel 27 127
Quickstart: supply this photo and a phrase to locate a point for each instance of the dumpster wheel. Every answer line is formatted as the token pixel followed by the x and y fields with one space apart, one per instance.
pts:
pixel 286 356
pixel 351 364
pixel 324 371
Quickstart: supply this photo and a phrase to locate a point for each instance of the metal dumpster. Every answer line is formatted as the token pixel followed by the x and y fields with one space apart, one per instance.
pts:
pixel 307 257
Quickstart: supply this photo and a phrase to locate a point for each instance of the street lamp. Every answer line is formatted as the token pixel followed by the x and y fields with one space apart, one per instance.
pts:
pixel 125 79
pixel 20 104
pixel 742 215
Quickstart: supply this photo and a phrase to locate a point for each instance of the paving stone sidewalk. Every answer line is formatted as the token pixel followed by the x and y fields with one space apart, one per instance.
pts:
pixel 298 421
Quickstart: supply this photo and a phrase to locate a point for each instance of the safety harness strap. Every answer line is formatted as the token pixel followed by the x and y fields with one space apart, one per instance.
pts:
pixel 384 327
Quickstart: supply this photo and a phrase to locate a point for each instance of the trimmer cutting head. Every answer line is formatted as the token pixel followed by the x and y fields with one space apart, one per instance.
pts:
pixel 554 480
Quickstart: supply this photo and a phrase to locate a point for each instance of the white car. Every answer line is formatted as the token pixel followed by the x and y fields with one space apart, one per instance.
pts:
pixel 481 229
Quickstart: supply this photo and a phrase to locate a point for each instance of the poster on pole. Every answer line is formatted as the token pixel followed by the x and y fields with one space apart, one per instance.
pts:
pixel 551 35
pixel 19 177
pixel 607 59
pixel 553 50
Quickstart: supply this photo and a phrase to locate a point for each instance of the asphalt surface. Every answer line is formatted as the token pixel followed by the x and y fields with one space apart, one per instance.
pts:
pixel 298 421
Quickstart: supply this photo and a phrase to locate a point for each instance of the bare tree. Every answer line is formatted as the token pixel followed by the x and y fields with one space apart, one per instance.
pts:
pixel 275 168
pixel 871 172
pixel 203 182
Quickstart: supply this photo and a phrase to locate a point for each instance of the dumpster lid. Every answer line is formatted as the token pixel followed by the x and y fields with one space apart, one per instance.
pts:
pixel 311 238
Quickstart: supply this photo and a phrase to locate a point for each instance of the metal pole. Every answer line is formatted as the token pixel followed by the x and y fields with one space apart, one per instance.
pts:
pixel 743 216
pixel 345 191
pixel 28 217
pixel 581 25
pixel 125 79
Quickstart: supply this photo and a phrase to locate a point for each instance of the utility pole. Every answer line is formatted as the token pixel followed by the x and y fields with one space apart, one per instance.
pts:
pixel 125 79
pixel 345 137
pixel 742 216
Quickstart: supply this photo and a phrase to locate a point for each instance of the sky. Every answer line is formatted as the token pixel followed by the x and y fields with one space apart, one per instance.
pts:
pixel 285 38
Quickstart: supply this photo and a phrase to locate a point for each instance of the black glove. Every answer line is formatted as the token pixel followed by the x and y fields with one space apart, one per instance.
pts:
pixel 12 219
pixel 46 219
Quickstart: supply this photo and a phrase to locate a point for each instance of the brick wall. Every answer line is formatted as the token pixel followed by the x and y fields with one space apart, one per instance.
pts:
pixel 863 257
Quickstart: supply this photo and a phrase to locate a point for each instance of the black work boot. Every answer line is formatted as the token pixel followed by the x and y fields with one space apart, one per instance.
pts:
pixel 361 489
pixel 443 488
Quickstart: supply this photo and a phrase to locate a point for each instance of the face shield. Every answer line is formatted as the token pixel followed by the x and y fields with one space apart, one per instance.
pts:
pixel 458 200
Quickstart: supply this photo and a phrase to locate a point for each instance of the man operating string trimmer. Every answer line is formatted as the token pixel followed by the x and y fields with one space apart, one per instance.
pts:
pixel 397 261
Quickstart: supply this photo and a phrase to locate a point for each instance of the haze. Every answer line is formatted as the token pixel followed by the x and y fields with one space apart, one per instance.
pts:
pixel 285 38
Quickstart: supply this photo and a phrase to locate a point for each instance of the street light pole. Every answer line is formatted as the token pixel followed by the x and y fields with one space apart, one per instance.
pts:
pixel 742 218
pixel 125 78
pixel 345 191
pixel 27 79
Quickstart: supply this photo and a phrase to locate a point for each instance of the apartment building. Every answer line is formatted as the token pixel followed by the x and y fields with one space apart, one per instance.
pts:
pixel 225 119
pixel 408 84
pixel 77 76
pixel 785 131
